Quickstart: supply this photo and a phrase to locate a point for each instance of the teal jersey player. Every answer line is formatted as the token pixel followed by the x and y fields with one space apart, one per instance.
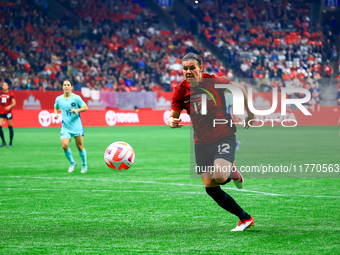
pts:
pixel 229 102
pixel 71 124
pixel 71 105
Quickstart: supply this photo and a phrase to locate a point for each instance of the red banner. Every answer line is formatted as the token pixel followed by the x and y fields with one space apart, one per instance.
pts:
pixel 144 117
pixel 327 116
pixel 35 109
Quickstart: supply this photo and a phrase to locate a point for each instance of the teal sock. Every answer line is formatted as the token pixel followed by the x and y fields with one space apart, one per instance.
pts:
pixel 82 155
pixel 68 155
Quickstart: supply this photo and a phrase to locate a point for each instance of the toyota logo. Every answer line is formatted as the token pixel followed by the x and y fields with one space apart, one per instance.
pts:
pixel 45 118
pixel 166 117
pixel 111 118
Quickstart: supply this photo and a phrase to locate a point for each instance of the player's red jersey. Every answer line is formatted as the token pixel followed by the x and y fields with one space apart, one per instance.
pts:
pixel 190 99
pixel 5 100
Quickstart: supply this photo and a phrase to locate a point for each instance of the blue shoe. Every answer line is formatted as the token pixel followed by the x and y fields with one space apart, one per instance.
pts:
pixel 237 145
pixel 3 145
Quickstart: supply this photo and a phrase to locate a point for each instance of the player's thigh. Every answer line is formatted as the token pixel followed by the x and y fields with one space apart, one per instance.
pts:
pixel 9 117
pixel 208 180
pixel 10 122
pixel 79 140
pixel 2 121
pixel 222 169
pixel 224 156
pixel 65 142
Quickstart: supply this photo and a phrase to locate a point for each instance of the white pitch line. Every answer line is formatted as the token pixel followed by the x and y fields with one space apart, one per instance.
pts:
pixel 165 184
pixel 103 190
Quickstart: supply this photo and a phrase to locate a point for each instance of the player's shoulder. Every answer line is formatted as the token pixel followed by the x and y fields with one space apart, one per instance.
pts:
pixel 207 75
pixel 76 96
pixel 60 97
pixel 182 85
pixel 219 79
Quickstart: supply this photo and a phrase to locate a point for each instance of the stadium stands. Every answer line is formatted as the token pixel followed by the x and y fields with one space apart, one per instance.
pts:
pixel 126 49
pixel 272 42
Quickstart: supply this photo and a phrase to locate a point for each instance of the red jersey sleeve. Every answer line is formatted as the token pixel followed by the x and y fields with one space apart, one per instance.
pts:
pixel 177 102
pixel 221 80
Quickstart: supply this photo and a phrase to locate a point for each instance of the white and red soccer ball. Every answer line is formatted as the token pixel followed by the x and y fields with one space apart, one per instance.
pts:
pixel 119 156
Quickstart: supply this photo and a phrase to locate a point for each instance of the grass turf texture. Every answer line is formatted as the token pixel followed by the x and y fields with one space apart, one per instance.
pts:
pixel 155 207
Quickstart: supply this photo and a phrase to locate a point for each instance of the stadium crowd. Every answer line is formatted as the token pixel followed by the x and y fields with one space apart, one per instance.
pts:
pixel 125 51
pixel 272 43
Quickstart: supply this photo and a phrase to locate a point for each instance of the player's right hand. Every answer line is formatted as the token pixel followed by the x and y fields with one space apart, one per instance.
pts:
pixel 56 116
pixel 175 123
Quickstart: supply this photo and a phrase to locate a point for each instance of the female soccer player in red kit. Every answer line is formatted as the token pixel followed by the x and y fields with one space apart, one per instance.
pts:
pixel 7 101
pixel 214 146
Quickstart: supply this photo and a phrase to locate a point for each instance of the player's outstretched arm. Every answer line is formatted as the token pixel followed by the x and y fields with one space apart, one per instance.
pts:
pixel 250 114
pixel 81 109
pixel 174 121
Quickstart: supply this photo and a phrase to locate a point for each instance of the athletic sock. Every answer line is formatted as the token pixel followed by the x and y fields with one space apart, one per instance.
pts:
pixel 227 202
pixel 68 155
pixel 2 135
pixel 82 155
pixel 11 135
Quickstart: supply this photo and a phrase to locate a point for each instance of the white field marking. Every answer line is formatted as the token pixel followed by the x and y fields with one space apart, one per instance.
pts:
pixel 103 190
pixel 165 184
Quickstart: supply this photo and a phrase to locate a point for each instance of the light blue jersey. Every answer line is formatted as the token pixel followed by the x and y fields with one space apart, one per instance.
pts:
pixel 228 101
pixel 71 122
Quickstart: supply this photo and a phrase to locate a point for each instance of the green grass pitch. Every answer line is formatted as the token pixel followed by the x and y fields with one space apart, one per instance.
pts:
pixel 155 207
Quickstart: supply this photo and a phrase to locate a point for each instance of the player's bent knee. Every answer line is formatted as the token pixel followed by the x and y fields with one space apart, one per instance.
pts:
pixel 80 147
pixel 65 147
pixel 222 181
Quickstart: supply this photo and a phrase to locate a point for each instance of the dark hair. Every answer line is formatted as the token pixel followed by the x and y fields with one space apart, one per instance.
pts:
pixel 69 82
pixel 194 56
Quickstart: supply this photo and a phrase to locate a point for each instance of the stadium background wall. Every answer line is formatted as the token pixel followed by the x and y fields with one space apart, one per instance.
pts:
pixel 35 109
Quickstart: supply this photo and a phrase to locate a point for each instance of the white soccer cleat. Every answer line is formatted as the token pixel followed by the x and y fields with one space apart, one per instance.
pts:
pixel 71 168
pixel 83 169
pixel 238 178
pixel 243 224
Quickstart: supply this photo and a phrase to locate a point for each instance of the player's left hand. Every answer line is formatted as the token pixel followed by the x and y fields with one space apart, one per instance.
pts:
pixel 73 110
pixel 249 117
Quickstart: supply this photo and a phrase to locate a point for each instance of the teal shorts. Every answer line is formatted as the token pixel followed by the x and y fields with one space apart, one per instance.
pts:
pixel 65 134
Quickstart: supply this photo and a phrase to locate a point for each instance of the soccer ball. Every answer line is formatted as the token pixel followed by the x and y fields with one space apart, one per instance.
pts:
pixel 119 156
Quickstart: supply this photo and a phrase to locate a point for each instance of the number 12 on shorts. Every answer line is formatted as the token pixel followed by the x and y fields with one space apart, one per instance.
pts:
pixel 223 148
